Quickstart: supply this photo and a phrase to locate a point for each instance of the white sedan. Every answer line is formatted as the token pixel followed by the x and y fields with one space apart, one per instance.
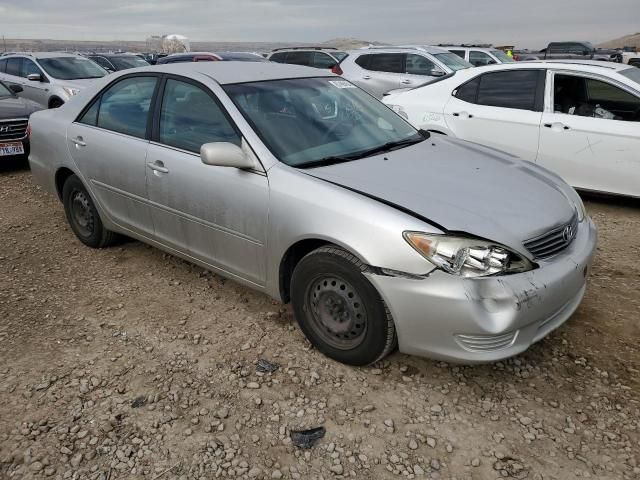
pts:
pixel 579 119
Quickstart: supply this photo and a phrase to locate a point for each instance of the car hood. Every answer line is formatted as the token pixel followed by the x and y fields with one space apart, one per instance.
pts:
pixel 461 187
pixel 16 107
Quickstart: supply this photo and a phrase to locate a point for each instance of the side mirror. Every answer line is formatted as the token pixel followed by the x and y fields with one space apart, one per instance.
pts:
pixel 492 62
pixel 225 154
pixel 34 77
pixel 16 88
pixel 436 73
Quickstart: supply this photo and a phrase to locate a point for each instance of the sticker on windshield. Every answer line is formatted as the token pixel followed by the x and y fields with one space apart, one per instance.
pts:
pixel 341 84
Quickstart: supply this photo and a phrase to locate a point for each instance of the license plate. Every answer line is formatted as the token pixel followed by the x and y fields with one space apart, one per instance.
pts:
pixel 11 149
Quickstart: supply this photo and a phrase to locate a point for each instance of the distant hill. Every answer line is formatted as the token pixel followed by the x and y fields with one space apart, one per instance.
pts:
pixel 348 43
pixel 632 40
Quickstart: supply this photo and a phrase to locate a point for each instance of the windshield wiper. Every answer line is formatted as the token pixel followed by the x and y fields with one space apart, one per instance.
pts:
pixel 385 147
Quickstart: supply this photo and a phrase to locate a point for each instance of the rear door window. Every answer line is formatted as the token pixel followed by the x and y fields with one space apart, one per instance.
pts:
pixel 123 107
pixel 387 62
pixel 3 65
pixel 460 53
pixel 509 89
pixel 299 58
pixel 13 66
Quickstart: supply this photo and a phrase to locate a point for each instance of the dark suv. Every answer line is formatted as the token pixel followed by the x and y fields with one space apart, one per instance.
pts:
pixel 114 62
pixel 580 51
pixel 318 57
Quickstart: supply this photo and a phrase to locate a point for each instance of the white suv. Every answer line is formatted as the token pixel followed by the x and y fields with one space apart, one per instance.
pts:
pixel 49 79
pixel 379 70
pixel 578 118
pixel 480 55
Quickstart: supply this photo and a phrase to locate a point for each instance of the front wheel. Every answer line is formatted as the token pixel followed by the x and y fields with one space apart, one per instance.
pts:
pixel 82 215
pixel 339 310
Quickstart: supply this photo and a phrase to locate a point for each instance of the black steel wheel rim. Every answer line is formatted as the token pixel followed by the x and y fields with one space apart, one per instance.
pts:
pixel 82 213
pixel 336 312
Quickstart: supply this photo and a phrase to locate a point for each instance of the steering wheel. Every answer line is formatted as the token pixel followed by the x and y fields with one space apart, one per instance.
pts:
pixel 333 131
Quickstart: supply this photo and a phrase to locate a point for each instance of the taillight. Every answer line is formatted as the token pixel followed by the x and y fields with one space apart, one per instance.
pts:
pixel 337 70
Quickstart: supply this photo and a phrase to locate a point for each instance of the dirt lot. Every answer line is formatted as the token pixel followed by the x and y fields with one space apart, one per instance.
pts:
pixel 129 363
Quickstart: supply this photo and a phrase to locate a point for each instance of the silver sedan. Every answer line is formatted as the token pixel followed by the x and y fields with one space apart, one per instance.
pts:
pixel 296 183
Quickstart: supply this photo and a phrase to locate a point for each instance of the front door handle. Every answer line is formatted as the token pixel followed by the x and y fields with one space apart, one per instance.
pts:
pixel 462 114
pixel 366 77
pixel 157 166
pixel 79 141
pixel 557 126
pixel 406 82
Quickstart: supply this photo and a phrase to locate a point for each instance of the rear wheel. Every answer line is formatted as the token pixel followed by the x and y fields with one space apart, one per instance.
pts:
pixel 83 216
pixel 339 310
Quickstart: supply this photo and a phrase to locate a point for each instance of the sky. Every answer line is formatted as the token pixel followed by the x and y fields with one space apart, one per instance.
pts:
pixel 525 23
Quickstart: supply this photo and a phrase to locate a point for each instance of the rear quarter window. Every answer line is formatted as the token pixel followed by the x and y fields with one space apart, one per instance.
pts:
pixel 279 57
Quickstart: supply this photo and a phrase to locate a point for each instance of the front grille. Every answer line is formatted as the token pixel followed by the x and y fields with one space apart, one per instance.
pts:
pixel 554 241
pixel 486 343
pixel 15 129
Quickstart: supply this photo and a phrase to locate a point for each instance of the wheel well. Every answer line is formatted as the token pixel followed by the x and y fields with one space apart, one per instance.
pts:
pixel 54 99
pixel 61 176
pixel 294 254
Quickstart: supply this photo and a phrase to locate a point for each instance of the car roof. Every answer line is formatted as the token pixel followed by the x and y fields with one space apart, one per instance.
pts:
pixel 226 73
pixel 42 54
pixel 402 48
pixel 595 66
pixel 113 55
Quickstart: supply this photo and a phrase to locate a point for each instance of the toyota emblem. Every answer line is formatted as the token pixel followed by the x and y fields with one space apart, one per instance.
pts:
pixel 567 233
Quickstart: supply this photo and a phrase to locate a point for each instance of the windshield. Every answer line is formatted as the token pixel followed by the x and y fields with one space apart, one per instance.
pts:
pixel 71 68
pixel 128 61
pixel 4 91
pixel 632 73
pixel 453 61
pixel 311 120
pixel 503 57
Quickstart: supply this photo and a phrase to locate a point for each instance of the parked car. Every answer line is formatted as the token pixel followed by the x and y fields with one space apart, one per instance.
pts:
pixel 479 55
pixel 381 69
pixel 298 184
pixel 579 51
pixel 114 62
pixel 318 57
pixel 189 57
pixel 579 119
pixel 49 78
pixel 241 57
pixel 630 56
pixel 14 117
pixel 526 55
pixel 151 57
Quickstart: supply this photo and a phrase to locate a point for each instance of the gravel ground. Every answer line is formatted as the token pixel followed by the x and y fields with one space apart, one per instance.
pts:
pixel 130 363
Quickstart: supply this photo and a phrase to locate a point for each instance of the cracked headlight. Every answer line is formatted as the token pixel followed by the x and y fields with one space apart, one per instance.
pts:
pixel 467 257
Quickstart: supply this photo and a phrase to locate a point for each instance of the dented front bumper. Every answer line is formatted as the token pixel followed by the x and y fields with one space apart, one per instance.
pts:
pixel 487 319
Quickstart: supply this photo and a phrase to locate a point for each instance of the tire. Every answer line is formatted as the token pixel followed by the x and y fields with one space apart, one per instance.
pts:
pixel 55 103
pixel 82 215
pixel 339 310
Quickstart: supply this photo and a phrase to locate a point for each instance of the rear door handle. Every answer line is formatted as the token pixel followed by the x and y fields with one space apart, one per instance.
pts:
pixel 462 114
pixel 157 166
pixel 366 77
pixel 406 82
pixel 79 141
